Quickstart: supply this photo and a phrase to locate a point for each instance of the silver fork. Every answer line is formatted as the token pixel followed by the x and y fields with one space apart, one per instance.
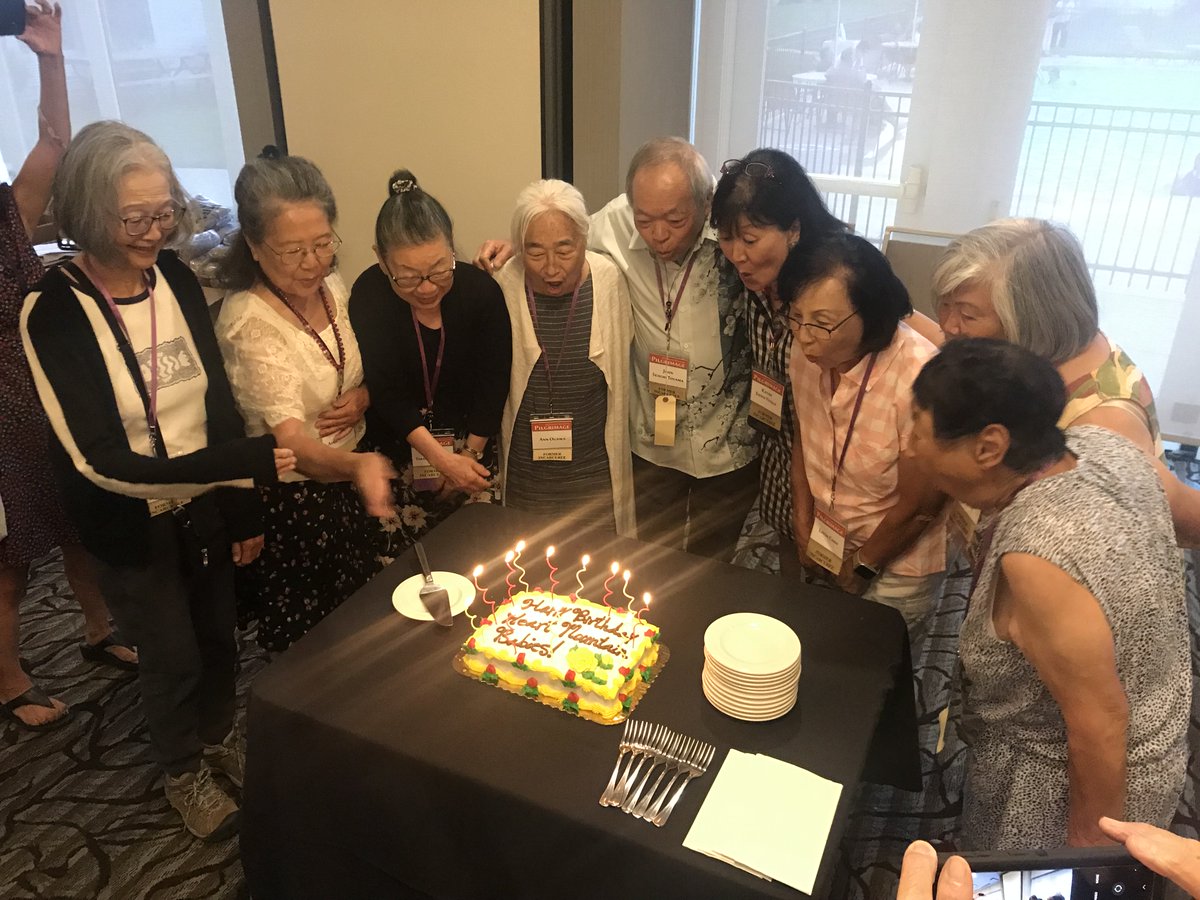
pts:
pixel 662 756
pixel 697 765
pixel 644 750
pixel 647 808
pixel 631 734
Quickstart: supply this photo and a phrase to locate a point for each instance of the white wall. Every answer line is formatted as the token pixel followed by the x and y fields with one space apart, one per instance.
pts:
pixel 449 90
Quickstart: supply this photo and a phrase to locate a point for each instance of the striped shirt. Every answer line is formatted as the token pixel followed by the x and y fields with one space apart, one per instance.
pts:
pixel 580 390
pixel 868 484
pixel 770 349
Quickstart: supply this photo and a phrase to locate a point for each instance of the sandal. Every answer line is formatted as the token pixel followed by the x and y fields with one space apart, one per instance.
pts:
pixel 35 696
pixel 98 653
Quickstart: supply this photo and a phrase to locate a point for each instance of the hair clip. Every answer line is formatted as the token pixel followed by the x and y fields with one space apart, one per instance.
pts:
pixel 270 152
pixel 402 186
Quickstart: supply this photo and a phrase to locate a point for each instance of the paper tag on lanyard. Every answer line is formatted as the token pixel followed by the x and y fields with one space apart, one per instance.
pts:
pixel 766 401
pixel 551 438
pixel 668 375
pixel 827 543
pixel 425 474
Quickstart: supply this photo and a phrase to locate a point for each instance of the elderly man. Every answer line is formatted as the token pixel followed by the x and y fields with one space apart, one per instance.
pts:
pixel 695 456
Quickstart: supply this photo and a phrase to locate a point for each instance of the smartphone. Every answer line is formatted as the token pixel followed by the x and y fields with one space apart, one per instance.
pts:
pixel 1084 873
pixel 12 17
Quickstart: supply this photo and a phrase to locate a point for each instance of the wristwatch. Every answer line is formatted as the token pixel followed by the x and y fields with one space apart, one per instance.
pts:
pixel 863 570
pixel 477 455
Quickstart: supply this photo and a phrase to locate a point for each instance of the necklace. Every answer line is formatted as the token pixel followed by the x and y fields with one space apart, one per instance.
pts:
pixel 339 364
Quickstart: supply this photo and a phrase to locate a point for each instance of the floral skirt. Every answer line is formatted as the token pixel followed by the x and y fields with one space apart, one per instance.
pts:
pixel 321 547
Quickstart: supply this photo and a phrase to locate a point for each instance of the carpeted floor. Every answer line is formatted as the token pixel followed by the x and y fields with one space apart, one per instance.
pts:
pixel 82 812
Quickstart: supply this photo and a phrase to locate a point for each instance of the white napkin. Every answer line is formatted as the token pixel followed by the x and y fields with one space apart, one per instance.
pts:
pixel 768 817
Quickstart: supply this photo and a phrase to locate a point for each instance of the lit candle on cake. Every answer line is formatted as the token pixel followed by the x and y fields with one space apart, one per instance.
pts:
pixel 508 561
pixel 517 563
pixel 645 605
pixel 613 570
pixel 471 618
pixel 482 590
pixel 579 575
pixel 553 583
pixel 625 592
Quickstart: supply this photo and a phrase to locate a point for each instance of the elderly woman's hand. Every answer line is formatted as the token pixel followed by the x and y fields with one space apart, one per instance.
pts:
pixel 43 28
pixel 462 473
pixel 919 869
pixel 285 461
pixel 492 255
pixel 373 476
pixel 346 412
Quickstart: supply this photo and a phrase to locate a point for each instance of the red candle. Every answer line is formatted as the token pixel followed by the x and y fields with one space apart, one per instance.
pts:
pixel 508 561
pixel 613 570
pixel 645 605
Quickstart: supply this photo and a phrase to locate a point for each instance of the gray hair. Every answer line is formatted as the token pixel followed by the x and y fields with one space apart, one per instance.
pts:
pixel 87 180
pixel 1038 279
pixel 543 196
pixel 409 216
pixel 675 150
pixel 262 186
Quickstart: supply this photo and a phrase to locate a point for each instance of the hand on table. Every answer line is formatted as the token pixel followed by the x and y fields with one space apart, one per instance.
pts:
pixel 246 552
pixel 346 412
pixel 919 869
pixel 492 255
pixel 43 28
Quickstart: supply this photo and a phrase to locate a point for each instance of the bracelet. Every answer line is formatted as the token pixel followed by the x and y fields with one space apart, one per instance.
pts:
pixel 477 455
pixel 51 135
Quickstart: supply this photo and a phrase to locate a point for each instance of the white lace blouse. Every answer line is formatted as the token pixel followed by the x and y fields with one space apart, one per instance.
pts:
pixel 277 371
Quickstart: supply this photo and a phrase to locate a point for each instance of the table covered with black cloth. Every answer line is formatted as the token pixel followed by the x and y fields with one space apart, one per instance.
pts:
pixel 376 770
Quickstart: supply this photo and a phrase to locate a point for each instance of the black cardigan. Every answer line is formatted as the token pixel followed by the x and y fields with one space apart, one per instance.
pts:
pixel 474 382
pixel 89 448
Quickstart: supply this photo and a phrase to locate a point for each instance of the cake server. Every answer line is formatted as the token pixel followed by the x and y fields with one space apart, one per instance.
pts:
pixel 434 597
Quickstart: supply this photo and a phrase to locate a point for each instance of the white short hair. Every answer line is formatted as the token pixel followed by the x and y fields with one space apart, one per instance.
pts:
pixel 543 196
pixel 1038 280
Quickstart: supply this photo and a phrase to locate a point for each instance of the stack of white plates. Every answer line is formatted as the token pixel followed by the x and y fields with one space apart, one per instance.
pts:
pixel 751 666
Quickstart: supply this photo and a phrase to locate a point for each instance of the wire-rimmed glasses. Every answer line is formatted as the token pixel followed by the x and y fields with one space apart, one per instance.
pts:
pixel 441 278
pixel 819 332
pixel 293 258
pixel 136 226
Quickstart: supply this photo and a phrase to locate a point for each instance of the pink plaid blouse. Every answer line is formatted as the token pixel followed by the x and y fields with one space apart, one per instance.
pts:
pixel 866 487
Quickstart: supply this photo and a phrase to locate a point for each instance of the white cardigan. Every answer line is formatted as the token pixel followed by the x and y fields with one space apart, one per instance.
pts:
pixel 608 349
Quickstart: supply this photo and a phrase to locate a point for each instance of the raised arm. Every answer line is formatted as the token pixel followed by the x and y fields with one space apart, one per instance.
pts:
pixel 31 187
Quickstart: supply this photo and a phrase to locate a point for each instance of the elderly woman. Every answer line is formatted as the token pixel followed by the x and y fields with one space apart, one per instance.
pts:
pixel 861 512
pixel 437 349
pixel 32 508
pixel 564 439
pixel 1026 281
pixel 1075 648
pixel 296 372
pixel 764 206
pixel 150 450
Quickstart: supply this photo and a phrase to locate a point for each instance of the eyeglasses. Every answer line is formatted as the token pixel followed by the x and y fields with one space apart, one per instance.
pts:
pixel 324 251
pixel 440 278
pixel 820 332
pixel 136 226
pixel 753 169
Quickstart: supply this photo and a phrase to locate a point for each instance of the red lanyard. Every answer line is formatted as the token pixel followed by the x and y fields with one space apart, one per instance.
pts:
pixel 152 405
pixel 431 383
pixel 562 348
pixel 339 364
pixel 841 461
pixel 670 307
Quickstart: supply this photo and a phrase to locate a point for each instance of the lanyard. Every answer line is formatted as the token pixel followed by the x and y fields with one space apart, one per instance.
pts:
pixel 841 461
pixel 150 395
pixel 431 383
pixel 670 307
pixel 339 364
pixel 562 348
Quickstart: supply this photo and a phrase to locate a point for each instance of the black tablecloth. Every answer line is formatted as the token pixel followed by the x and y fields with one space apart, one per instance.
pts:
pixel 375 770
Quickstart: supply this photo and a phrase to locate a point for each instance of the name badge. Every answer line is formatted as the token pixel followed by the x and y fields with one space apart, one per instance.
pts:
pixel 766 402
pixel 664 421
pixel 827 543
pixel 668 375
pixel 425 474
pixel 551 438
pixel 158 507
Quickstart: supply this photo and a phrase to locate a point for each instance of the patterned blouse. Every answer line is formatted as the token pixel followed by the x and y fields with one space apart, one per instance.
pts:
pixel 771 351
pixel 1116 380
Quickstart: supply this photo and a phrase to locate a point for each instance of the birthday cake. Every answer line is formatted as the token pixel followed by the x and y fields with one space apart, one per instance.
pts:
pixel 583 657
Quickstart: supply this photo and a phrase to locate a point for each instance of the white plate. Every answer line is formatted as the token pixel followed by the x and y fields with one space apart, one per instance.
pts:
pixel 752 681
pixel 407 596
pixel 752 644
pixel 750 716
pixel 742 701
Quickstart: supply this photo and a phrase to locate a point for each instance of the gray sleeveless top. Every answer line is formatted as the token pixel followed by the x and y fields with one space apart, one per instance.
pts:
pixel 1105 523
